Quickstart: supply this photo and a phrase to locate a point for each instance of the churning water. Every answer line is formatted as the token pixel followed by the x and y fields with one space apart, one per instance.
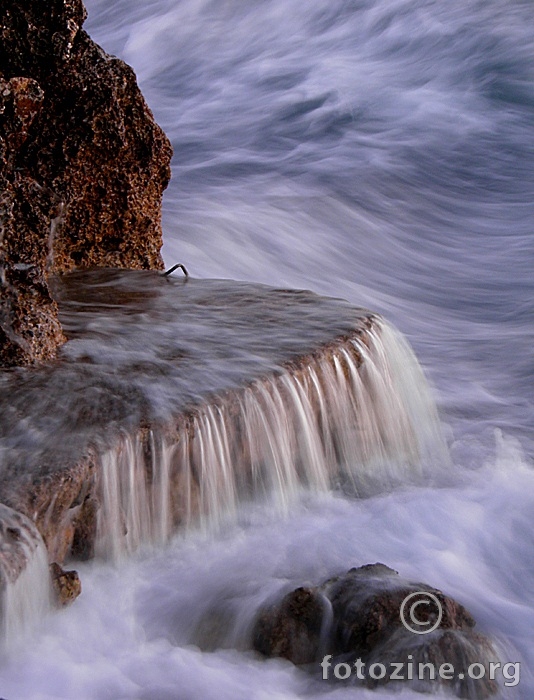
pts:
pixel 378 150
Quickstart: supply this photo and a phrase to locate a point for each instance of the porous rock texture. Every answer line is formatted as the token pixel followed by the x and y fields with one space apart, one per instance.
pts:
pixel 83 167
pixel 357 616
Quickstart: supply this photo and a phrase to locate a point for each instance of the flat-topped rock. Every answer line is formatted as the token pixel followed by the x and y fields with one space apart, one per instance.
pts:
pixel 176 400
pixel 143 348
pixel 146 355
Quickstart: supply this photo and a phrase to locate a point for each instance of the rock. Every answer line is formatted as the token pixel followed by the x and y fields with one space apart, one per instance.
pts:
pixel 68 427
pixel 83 168
pixel 292 630
pixel 66 585
pixel 357 616
pixel 61 506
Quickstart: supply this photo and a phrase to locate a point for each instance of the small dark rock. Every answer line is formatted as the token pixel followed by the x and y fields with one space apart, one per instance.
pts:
pixel 66 585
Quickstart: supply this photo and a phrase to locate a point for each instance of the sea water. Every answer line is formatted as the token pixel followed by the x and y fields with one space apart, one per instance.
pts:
pixel 378 150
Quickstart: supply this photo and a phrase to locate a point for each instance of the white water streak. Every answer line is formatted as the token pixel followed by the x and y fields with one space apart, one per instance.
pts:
pixel 25 595
pixel 135 506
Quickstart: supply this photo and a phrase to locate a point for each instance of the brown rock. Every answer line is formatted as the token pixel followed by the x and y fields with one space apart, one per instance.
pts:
pixel 83 168
pixel 293 631
pixel 65 584
pixel 94 466
pixel 366 604
pixel 61 506
pixel 357 616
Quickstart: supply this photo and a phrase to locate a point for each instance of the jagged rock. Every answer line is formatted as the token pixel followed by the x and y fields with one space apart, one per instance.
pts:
pixel 83 168
pixel 66 585
pixel 357 616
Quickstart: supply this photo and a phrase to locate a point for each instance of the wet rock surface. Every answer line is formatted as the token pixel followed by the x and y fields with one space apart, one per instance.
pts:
pixel 82 168
pixel 357 616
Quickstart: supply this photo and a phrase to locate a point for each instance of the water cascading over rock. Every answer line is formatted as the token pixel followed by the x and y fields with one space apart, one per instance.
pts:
pixel 172 404
pixel 355 617
pixel 164 412
pixel 345 417
pixel 25 593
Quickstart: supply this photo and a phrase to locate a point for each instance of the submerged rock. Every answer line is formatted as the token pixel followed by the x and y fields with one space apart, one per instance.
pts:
pixel 357 616
pixel 82 168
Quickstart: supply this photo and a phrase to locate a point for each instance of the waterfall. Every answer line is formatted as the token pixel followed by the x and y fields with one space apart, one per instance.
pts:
pixel 356 414
pixel 24 576
pixel 135 494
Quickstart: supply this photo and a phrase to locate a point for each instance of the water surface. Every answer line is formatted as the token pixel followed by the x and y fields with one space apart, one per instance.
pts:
pixel 376 150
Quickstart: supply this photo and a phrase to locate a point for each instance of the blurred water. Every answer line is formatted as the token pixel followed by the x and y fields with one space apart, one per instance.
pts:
pixel 378 150
pixel 381 151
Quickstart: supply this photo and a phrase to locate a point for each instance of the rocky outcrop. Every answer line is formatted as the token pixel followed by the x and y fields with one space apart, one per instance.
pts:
pixel 94 445
pixel 29 327
pixel 83 168
pixel 357 616
pixel 163 407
